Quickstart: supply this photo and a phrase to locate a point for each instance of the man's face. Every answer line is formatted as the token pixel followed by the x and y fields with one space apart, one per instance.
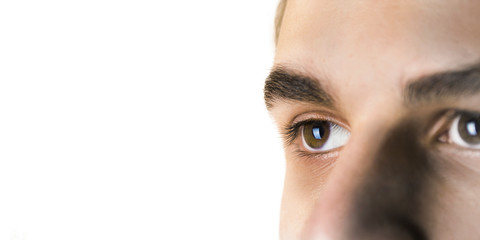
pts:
pixel 379 105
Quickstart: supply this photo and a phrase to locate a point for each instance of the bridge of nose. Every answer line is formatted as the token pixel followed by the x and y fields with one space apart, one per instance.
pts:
pixel 379 198
pixel 390 200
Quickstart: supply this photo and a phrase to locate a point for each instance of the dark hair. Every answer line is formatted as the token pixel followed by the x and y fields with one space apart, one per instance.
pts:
pixel 279 18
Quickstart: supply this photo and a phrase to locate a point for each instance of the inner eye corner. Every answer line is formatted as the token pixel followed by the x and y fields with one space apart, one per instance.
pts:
pixel 441 137
pixel 460 129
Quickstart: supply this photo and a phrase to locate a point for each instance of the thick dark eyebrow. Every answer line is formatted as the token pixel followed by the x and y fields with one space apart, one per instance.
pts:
pixel 443 86
pixel 286 85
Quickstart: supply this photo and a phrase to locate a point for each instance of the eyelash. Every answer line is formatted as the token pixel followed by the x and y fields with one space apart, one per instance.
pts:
pixel 291 132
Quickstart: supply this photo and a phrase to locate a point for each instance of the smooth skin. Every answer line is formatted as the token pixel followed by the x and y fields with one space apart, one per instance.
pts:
pixel 364 53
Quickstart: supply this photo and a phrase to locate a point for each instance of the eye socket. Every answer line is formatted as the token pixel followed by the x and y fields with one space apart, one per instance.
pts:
pixel 321 136
pixel 465 130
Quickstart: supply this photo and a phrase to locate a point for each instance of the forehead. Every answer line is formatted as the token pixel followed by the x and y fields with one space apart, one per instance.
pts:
pixel 396 37
pixel 365 48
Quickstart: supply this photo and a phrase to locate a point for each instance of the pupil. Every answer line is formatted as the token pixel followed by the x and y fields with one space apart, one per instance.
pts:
pixel 318 132
pixel 472 127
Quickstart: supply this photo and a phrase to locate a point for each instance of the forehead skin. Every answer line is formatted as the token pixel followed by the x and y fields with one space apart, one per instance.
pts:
pixel 364 52
pixel 373 45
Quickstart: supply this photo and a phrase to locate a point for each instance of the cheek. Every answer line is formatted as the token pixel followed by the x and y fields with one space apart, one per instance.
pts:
pixel 306 176
pixel 455 209
pixel 304 180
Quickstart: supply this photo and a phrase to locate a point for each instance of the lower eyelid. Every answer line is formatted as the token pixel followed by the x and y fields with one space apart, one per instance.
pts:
pixel 327 155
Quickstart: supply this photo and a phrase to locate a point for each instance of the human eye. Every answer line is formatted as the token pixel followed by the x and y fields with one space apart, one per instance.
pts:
pixel 464 130
pixel 317 136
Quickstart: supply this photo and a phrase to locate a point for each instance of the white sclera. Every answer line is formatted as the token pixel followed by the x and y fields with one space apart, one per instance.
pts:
pixel 455 135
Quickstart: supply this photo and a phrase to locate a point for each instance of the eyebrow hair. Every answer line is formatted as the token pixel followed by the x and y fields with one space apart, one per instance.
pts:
pixel 444 85
pixel 285 85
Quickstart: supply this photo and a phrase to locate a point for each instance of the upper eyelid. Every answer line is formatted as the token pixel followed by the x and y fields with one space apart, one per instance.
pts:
pixel 290 131
pixel 315 115
pixel 320 116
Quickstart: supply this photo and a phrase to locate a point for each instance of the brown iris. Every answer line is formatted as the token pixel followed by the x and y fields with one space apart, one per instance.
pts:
pixel 316 134
pixel 469 128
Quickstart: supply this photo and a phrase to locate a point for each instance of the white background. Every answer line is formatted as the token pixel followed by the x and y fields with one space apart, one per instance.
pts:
pixel 137 120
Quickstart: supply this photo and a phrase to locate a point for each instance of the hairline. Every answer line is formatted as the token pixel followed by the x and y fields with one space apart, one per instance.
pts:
pixel 279 18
